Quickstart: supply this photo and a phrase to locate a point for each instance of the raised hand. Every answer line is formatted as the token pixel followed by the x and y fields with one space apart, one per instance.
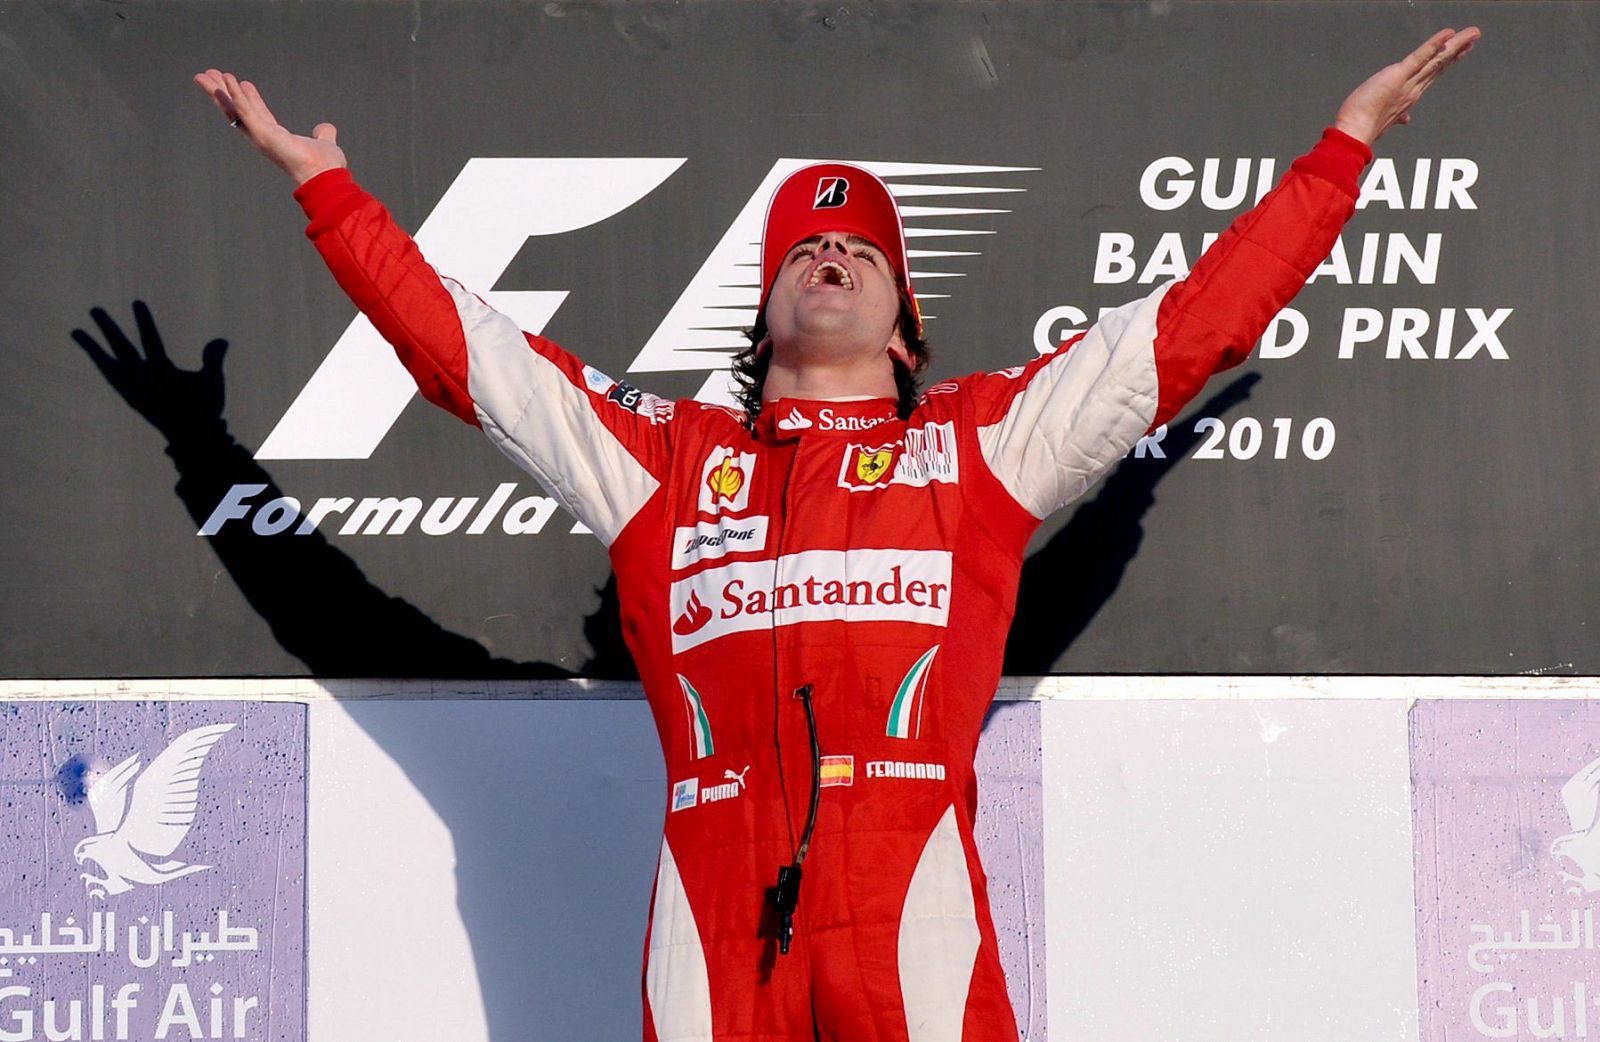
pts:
pixel 1389 95
pixel 302 158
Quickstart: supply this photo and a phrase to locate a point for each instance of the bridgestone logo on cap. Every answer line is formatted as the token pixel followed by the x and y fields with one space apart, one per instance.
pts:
pixel 831 192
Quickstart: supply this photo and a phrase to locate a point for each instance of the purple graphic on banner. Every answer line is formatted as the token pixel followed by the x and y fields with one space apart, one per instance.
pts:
pixel 1505 800
pixel 155 883
pixel 1010 835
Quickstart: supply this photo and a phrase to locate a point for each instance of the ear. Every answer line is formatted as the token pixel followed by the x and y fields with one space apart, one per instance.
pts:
pixel 764 346
pixel 897 350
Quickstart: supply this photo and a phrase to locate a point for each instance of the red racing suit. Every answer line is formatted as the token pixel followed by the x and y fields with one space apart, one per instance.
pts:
pixel 833 550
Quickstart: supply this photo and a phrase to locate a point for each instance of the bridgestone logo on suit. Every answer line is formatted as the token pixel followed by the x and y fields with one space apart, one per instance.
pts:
pixel 812 586
pixel 709 540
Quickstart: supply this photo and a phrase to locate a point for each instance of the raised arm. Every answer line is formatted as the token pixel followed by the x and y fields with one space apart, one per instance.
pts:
pixel 596 446
pixel 1051 430
pixel 1209 321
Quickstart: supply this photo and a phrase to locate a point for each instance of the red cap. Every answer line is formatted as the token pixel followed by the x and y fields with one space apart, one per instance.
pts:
pixel 833 197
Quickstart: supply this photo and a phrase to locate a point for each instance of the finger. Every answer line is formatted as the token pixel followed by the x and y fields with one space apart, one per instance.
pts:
pixel 97 354
pixel 1459 44
pixel 121 347
pixel 241 102
pixel 1414 62
pixel 220 79
pixel 154 349
pixel 226 105
pixel 1448 55
pixel 326 132
pixel 257 101
pixel 230 99
pixel 206 82
pixel 211 82
pixel 211 358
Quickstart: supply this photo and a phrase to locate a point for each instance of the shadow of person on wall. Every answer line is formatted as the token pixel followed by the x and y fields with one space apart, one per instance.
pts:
pixel 543 895
pixel 320 605
pixel 1067 581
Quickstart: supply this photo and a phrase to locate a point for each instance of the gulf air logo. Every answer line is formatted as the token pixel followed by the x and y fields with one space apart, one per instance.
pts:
pixel 831 192
pixel 495 206
pixel 144 817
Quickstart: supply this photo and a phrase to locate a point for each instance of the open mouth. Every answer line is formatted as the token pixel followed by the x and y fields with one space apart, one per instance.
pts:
pixel 830 273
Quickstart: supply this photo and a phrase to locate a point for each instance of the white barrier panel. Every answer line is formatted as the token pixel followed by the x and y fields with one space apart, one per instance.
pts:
pixel 1190 859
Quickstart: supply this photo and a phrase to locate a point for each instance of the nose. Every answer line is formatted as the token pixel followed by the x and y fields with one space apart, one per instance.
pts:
pixel 833 241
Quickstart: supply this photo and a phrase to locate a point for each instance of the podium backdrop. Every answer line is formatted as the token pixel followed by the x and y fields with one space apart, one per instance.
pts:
pixel 1400 480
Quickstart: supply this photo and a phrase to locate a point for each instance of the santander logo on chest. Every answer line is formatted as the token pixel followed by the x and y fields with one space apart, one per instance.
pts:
pixel 811 586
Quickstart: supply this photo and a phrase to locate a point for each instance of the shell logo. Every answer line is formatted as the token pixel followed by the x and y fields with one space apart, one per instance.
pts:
pixel 726 479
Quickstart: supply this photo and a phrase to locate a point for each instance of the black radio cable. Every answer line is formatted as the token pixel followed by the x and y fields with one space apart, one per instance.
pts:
pixel 786 895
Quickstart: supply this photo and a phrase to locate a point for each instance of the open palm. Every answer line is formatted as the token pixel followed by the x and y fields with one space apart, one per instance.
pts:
pixel 302 158
pixel 1388 96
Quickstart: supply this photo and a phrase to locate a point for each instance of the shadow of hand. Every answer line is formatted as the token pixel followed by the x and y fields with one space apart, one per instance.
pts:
pixel 322 608
pixel 175 401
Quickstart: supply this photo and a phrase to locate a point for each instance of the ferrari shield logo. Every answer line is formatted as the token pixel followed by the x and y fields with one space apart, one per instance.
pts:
pixel 872 466
pixel 927 454
pixel 867 466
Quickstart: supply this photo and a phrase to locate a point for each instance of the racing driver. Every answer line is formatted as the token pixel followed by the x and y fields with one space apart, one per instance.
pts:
pixel 816 589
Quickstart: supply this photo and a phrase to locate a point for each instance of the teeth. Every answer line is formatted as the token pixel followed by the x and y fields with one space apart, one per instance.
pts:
pixel 841 275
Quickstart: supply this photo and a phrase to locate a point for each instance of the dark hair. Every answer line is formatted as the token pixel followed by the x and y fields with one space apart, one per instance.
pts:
pixel 750 368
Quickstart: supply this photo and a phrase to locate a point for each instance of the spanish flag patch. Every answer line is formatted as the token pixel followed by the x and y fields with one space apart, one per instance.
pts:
pixel 838 770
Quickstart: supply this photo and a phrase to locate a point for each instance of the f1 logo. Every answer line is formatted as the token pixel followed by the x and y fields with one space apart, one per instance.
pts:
pixel 487 215
pixel 831 192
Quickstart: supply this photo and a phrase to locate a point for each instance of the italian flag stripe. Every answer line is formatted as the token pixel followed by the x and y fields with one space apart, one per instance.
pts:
pixel 905 714
pixel 699 724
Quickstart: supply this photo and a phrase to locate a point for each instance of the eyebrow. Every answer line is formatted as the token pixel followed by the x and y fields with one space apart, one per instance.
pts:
pixel 850 240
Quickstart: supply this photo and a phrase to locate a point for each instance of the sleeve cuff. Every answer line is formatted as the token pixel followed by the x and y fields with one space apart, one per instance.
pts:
pixel 327 198
pixel 1338 158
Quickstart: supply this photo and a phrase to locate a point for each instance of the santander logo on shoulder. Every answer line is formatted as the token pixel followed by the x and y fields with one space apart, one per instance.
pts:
pixel 795 420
